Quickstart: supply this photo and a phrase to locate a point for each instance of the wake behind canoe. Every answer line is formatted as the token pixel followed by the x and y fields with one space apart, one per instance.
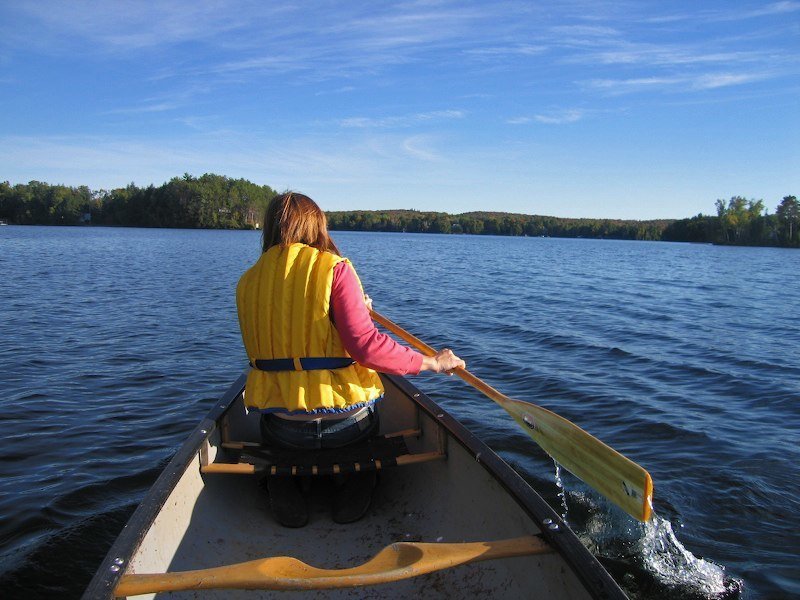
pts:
pixel 440 485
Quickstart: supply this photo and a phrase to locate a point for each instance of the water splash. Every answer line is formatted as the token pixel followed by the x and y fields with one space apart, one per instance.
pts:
pixel 562 494
pixel 646 559
pixel 674 566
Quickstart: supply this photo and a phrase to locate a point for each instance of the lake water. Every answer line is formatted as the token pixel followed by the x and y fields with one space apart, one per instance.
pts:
pixel 685 358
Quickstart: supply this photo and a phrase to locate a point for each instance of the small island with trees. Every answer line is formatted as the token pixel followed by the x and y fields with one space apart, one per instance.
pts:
pixel 218 202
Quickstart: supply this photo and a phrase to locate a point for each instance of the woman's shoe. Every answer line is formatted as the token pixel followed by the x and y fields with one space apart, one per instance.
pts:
pixel 353 498
pixel 286 502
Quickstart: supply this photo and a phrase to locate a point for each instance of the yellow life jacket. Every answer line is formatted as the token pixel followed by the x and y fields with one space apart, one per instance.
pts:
pixel 284 313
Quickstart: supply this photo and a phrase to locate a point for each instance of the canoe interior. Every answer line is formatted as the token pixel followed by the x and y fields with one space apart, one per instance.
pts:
pixel 209 520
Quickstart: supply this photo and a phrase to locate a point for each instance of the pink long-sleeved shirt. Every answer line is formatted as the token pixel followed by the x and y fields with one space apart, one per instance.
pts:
pixel 360 337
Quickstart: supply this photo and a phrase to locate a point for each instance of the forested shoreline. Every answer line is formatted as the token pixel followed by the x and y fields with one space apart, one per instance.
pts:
pixel 218 202
pixel 207 202
pixel 495 223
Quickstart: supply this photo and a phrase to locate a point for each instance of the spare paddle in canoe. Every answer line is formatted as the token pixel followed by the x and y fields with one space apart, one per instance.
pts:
pixel 401 560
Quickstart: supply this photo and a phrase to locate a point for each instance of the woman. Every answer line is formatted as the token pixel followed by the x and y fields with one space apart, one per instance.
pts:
pixel 314 352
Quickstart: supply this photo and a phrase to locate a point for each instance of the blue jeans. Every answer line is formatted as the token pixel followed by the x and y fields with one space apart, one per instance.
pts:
pixel 314 435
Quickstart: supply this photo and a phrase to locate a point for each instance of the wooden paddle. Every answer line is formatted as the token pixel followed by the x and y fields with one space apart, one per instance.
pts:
pixel 616 477
pixel 401 560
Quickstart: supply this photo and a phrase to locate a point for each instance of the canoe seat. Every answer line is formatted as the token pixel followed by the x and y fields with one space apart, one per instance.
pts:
pixel 370 455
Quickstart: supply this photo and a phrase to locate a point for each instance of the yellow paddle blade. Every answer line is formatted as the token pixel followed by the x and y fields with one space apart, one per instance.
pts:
pixel 616 477
pixel 402 560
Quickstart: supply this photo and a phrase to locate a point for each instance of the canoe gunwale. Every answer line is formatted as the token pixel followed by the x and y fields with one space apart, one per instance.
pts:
pixel 598 583
pixel 130 538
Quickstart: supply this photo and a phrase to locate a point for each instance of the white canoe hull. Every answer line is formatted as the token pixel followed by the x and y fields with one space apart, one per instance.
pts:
pixel 193 520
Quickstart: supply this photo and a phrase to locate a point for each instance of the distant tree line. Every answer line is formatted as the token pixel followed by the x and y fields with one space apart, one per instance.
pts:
pixel 738 221
pixel 495 223
pixel 211 201
pixel 741 222
pixel 218 202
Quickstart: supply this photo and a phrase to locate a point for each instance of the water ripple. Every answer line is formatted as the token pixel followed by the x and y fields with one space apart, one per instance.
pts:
pixel 682 357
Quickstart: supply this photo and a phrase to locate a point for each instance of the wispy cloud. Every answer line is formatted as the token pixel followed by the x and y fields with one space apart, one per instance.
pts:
pixel 130 25
pixel 345 41
pixel 337 41
pixel 341 90
pixel 659 52
pixel 277 63
pixel 703 81
pixel 638 84
pixel 731 12
pixel 718 80
pixel 111 161
pixel 585 31
pixel 419 147
pixel 567 116
pixel 561 117
pixel 160 103
pixel 145 108
pixel 499 51
pixel 665 56
pixel 402 120
pixel 108 161
pixel 768 10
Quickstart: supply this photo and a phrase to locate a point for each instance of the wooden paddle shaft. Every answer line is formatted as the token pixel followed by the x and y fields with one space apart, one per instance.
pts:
pixel 426 349
pixel 616 477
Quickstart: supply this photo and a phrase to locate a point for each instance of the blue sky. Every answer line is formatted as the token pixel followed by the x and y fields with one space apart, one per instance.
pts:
pixel 574 109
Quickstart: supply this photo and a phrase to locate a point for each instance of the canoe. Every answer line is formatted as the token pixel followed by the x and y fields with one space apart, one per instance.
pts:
pixel 449 519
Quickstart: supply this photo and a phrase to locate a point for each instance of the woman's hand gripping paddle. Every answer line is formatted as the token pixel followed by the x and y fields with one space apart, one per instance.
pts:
pixel 616 477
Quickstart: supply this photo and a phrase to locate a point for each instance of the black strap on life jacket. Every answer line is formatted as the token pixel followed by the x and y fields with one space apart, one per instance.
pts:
pixel 302 364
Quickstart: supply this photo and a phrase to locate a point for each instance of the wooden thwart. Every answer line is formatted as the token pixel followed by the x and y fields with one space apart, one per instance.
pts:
pixel 374 454
pixel 401 560
pixel 250 469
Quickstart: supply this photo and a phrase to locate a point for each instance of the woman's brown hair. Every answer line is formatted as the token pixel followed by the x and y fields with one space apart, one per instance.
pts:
pixel 292 218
